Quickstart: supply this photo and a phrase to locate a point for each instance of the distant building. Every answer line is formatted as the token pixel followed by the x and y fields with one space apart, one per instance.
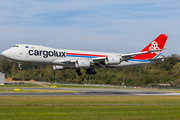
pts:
pixel 1 78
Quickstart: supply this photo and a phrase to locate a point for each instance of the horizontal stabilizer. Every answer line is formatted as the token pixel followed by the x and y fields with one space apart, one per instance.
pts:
pixel 129 56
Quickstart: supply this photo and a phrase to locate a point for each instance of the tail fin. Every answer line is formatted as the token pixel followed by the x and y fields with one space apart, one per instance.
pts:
pixel 158 43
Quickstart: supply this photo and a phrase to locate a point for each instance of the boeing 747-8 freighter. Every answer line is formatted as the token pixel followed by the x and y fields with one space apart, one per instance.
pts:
pixel 75 59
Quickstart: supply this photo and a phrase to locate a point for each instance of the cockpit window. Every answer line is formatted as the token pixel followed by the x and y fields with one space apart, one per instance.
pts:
pixel 15 46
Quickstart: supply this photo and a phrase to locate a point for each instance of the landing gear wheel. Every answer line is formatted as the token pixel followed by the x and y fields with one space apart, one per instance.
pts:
pixel 19 66
pixel 90 71
pixel 78 72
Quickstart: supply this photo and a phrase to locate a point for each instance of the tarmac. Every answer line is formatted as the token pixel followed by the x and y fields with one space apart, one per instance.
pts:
pixel 91 92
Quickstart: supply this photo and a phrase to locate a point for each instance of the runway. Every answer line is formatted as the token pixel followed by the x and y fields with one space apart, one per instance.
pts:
pixel 91 92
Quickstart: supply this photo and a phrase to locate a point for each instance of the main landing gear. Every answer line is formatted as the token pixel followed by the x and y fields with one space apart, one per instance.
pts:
pixel 88 71
pixel 78 72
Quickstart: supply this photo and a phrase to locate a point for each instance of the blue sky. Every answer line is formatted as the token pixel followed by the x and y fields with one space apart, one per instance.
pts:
pixel 95 25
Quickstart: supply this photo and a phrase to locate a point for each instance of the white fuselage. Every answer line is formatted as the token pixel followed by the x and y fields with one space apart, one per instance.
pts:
pixel 46 55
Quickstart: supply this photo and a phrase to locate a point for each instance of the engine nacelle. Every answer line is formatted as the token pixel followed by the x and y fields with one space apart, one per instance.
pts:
pixel 57 67
pixel 114 60
pixel 82 64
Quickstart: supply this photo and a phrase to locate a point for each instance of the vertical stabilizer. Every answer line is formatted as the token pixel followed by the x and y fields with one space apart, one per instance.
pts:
pixel 156 44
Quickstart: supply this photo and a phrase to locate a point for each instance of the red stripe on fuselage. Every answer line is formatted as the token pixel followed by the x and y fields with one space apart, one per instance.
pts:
pixel 86 54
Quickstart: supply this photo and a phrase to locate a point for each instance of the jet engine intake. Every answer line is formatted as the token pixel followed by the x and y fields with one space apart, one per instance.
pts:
pixel 112 60
pixel 57 67
pixel 82 64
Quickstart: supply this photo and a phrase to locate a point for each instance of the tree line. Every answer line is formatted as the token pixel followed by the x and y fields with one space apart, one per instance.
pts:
pixel 165 72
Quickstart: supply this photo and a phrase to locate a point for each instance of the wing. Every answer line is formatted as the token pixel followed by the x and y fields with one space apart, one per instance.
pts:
pixel 98 62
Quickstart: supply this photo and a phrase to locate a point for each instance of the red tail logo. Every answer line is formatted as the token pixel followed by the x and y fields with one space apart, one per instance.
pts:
pixel 156 44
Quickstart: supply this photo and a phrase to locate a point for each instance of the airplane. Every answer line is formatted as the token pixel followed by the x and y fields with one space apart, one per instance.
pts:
pixel 62 59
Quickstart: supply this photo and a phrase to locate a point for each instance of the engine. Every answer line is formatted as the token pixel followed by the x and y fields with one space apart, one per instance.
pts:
pixel 57 67
pixel 82 64
pixel 114 60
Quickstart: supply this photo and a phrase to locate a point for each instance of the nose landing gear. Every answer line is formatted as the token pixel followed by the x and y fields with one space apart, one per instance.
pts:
pixel 19 66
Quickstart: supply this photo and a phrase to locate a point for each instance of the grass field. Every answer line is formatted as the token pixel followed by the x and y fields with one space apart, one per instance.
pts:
pixel 78 86
pixel 105 87
pixel 82 86
pixel 31 91
pixel 90 86
pixel 25 85
pixel 96 107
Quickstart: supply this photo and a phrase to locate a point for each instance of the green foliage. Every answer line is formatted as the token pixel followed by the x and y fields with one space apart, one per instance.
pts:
pixel 169 63
pixel 48 74
pixel 6 66
pixel 175 83
pixel 176 68
pixel 163 72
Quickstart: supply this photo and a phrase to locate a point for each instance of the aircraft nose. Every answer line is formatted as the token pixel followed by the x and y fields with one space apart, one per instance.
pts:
pixel 4 53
